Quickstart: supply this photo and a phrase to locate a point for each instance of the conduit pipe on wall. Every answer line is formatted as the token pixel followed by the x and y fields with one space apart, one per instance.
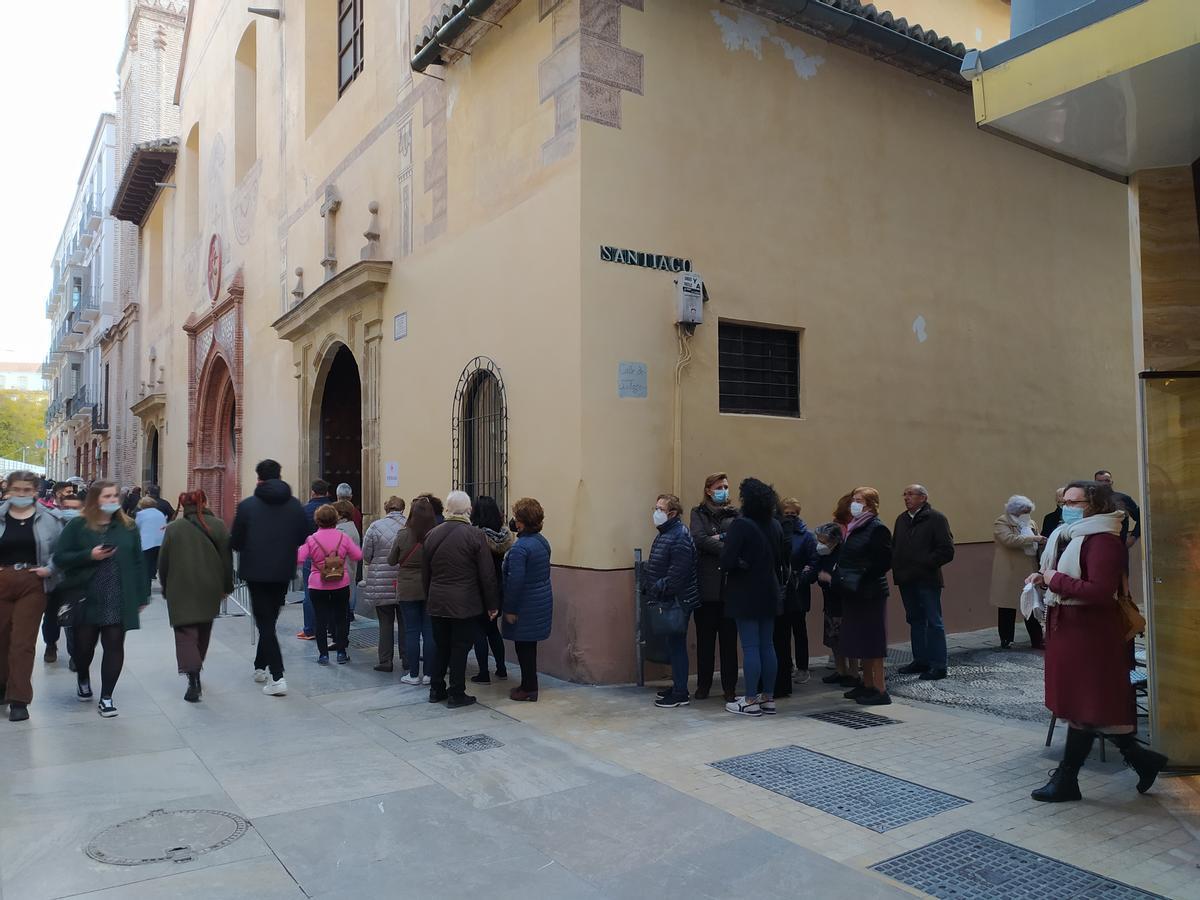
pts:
pixel 431 53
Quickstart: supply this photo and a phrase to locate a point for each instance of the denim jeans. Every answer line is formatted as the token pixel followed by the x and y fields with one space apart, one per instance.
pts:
pixel 758 653
pixel 923 610
pixel 677 649
pixel 418 636
pixel 309 617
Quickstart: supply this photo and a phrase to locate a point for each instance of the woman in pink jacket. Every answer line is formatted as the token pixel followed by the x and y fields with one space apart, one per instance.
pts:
pixel 330 593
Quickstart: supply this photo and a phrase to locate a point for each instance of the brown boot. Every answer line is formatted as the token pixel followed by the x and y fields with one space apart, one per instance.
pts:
pixel 520 695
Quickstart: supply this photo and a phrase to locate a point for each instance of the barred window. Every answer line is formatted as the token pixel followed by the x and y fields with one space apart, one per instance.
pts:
pixel 480 432
pixel 758 369
pixel 350 42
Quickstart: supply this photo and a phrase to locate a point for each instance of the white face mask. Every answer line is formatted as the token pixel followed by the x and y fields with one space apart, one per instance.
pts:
pixel 856 509
pixel 660 518
pixel 1024 518
pixel 823 549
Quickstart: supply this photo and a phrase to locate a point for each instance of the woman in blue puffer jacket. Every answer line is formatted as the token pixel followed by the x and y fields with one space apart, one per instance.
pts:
pixel 528 601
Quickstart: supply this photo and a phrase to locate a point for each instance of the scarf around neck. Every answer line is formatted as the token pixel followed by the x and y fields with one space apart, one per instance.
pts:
pixel 1068 562
pixel 859 521
pixel 455 517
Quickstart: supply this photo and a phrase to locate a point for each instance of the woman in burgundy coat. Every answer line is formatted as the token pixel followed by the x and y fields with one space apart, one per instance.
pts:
pixel 1087 648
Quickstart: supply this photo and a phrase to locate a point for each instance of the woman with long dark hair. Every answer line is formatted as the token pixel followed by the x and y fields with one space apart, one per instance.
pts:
pixel 407 556
pixel 100 556
pixel 195 566
pixel 486 516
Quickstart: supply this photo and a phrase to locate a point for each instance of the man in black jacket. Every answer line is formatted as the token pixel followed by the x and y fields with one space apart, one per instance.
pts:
pixel 1131 530
pixel 921 545
pixel 268 528
pixel 160 504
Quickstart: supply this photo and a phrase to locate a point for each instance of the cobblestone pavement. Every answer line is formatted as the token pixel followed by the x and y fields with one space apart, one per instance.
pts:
pixel 353 786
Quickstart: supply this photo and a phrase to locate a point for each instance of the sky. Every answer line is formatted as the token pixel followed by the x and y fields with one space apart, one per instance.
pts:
pixel 56 78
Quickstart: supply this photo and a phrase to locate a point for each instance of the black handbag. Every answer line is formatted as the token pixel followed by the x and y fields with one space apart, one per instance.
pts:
pixel 850 580
pixel 667 616
pixel 66 605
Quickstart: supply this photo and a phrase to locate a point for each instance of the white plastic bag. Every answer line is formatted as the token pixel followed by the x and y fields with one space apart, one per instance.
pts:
pixel 1032 602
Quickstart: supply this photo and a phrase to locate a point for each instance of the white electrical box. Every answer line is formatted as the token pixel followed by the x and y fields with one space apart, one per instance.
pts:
pixel 689 299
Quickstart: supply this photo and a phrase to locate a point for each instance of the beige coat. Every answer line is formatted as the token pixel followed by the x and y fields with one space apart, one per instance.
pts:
pixel 1011 565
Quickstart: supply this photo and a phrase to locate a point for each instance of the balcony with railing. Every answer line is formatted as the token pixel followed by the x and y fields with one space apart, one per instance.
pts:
pixel 93 211
pixel 81 405
pixel 83 301
pixel 99 416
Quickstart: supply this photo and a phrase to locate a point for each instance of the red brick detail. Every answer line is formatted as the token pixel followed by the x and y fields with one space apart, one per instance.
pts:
pixel 215 391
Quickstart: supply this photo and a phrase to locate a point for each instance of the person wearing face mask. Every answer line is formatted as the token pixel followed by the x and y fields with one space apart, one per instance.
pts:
pixel 1053 519
pixel 819 570
pixel 28 534
pixel 861 579
pixel 1084 570
pixel 670 575
pixel 70 506
pixel 1017 545
pixel 709 523
pixel 791 626
pixel 100 556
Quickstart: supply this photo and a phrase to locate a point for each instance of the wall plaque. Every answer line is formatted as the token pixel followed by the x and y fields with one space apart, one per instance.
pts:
pixel 644 259
pixel 631 380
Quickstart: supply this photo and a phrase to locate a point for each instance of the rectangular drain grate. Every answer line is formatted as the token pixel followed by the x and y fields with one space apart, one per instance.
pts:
pixel 857 719
pixel 364 638
pixel 471 743
pixel 859 795
pixel 972 866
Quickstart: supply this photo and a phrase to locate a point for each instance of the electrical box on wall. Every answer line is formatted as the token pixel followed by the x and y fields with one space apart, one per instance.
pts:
pixel 689 299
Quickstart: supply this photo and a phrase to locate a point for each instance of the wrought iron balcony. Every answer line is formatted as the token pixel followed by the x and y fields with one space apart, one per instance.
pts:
pixel 93 213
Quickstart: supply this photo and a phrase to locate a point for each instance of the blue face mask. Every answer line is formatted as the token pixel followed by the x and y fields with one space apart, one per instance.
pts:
pixel 21 502
pixel 1072 514
pixel 721 496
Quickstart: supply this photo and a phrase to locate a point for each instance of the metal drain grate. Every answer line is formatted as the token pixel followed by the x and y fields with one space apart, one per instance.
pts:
pixel 471 743
pixel 175 835
pixel 364 638
pixel 972 866
pixel 857 719
pixel 859 795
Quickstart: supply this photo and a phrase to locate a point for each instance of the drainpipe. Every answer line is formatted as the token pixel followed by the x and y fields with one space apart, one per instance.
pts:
pixel 445 36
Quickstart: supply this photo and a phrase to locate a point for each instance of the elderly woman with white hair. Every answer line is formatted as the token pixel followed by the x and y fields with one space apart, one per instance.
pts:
pixel 459 578
pixel 1018 545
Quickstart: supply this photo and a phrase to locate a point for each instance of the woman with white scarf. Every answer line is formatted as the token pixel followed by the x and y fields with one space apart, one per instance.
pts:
pixel 1017 547
pixel 1088 653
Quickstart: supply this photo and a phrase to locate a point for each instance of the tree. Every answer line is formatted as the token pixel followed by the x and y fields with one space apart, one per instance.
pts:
pixel 22 424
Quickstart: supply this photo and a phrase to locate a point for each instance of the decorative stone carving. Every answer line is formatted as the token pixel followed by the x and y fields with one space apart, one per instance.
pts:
pixel 298 290
pixel 329 210
pixel 371 250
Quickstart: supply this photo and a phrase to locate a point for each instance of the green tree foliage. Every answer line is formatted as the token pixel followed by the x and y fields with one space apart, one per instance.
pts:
pixel 22 423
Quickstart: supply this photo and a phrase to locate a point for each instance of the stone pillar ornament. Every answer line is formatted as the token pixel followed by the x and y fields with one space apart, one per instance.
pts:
pixel 372 346
pixel 298 290
pixel 329 209
pixel 371 250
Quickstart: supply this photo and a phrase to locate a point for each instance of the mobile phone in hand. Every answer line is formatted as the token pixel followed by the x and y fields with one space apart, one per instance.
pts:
pixel 108 547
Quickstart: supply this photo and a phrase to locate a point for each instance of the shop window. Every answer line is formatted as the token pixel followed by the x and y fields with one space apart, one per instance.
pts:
pixel 350 42
pixel 759 369
pixel 481 432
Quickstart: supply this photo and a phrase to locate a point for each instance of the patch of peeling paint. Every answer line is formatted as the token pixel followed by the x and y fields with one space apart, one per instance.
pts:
pixel 918 327
pixel 748 32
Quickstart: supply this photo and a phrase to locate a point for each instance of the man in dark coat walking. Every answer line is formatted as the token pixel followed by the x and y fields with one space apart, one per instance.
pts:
pixel 921 545
pixel 319 495
pixel 267 530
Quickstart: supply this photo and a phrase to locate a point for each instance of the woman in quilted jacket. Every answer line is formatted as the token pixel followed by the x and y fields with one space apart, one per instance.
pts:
pixel 528 601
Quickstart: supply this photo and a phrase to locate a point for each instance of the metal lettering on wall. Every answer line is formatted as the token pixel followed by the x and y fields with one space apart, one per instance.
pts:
pixel 645 260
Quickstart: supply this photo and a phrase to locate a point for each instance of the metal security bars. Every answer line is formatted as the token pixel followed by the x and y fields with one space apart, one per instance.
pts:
pixel 758 370
pixel 350 42
pixel 480 432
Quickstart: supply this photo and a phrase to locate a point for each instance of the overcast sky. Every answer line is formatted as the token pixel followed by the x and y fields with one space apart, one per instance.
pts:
pixel 58 73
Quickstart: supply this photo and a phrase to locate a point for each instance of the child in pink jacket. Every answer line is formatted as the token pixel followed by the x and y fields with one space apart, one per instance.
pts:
pixel 330 598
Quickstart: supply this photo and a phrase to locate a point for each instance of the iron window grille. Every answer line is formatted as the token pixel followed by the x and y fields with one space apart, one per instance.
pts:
pixel 480 432
pixel 758 370
pixel 350 42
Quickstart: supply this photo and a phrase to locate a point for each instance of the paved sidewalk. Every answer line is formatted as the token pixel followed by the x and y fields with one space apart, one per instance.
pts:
pixel 591 793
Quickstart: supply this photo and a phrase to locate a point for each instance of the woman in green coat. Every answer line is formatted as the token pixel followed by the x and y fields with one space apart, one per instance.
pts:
pixel 195 568
pixel 100 557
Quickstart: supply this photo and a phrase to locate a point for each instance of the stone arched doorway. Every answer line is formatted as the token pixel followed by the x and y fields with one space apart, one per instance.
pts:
pixel 153 470
pixel 337 413
pixel 218 438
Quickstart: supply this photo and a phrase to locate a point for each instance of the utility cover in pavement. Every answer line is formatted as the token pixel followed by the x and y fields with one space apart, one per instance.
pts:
pixel 364 638
pixel 470 743
pixel 857 719
pixel 162 835
pixel 972 866
pixel 859 795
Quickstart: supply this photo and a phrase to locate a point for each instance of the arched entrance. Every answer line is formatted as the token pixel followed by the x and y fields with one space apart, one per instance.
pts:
pixel 153 471
pixel 217 439
pixel 340 438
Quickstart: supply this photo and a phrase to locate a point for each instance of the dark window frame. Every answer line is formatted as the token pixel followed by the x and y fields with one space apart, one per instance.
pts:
pixel 758 370
pixel 353 46
pixel 480 432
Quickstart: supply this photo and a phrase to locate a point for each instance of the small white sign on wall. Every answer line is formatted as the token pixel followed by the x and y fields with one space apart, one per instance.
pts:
pixel 631 379
pixel 391 474
pixel 400 326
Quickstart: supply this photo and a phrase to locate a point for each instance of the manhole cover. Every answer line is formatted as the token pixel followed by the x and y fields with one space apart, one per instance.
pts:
pixel 859 795
pixel 471 743
pixel 857 719
pixel 972 866
pixel 176 835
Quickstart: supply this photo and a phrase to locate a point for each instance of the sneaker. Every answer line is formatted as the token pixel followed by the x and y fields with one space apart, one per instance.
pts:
pixel 802 677
pixel 913 668
pixel 436 696
pixel 663 692
pixel 933 675
pixel 875 698
pixel 323 659
pixel 343 657
pixel 51 654
pixel 481 678
pixel 502 674
pixel 305 636
pixel 410 679
pixel 832 678
pixel 106 707
pixel 850 681
pixel 19 712
pixel 261 676
pixel 670 701
pixel 743 707
pixel 767 707
pixel 385 667
pixel 275 688
pixel 83 690
pixel 460 701
pixel 426 680
pixel 860 691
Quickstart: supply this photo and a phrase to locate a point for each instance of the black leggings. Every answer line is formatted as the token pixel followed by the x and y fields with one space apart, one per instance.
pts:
pixel 112 638
pixel 527 658
pixel 489 636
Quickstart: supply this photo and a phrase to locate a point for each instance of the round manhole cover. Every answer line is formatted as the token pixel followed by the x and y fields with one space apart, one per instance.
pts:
pixel 176 835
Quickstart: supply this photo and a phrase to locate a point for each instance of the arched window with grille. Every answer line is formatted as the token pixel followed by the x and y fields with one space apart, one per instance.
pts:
pixel 480 432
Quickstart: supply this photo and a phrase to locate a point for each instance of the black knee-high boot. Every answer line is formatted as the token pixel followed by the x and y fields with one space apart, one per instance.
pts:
pixel 1063 785
pixel 1146 762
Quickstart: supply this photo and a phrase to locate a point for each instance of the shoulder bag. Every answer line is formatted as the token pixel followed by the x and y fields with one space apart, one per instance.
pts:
pixel 1135 622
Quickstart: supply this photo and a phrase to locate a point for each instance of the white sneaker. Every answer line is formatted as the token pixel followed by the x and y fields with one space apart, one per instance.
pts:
pixel 426 680
pixel 275 688
pixel 801 677
pixel 261 676
pixel 410 679
pixel 740 707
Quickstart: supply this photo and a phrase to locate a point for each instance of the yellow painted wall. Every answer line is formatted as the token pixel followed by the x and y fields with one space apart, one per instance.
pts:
pixel 846 204
pixel 978 24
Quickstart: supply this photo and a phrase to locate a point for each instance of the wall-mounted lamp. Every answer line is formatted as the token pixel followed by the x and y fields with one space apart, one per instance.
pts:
pixel 269 13
pixel 163 184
